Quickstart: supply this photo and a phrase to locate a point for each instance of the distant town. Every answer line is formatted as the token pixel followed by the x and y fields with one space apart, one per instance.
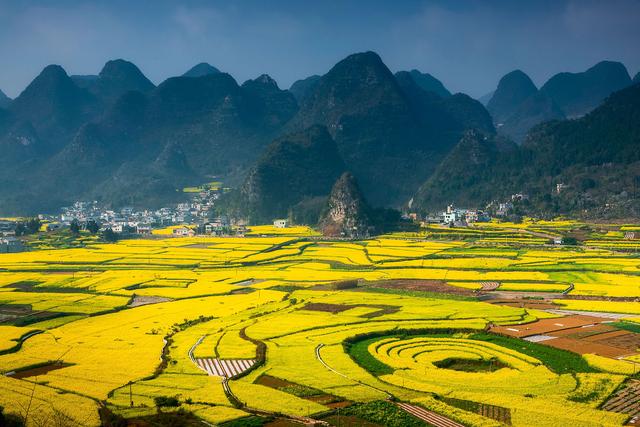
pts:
pixel 197 216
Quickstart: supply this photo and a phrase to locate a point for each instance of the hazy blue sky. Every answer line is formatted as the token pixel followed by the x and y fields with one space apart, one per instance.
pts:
pixel 468 44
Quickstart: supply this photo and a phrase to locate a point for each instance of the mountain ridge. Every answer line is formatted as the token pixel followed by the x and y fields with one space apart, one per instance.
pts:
pixel 117 138
pixel 595 158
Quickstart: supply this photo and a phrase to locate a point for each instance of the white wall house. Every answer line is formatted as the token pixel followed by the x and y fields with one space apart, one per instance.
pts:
pixel 281 223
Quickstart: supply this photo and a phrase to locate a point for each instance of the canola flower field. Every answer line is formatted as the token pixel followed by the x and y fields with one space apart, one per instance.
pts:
pixel 115 326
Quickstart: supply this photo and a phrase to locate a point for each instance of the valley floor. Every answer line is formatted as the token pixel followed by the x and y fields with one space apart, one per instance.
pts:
pixel 482 326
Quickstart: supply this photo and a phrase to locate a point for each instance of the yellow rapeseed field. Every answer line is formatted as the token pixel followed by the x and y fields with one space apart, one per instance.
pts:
pixel 122 322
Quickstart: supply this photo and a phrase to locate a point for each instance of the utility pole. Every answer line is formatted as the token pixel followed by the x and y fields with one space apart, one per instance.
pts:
pixel 33 391
pixel 130 395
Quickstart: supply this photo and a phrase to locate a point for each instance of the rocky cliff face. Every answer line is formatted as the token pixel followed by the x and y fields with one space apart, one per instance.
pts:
pixel 347 214
pixel 596 156
pixel 294 168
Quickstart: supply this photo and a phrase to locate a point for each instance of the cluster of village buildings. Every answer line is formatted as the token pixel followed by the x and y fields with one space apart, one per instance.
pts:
pixel 461 217
pixel 196 217
pixel 8 240
pixel 129 220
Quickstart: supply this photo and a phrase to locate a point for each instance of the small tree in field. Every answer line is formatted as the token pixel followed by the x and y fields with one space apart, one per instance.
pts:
pixel 109 235
pixel 33 225
pixel 92 227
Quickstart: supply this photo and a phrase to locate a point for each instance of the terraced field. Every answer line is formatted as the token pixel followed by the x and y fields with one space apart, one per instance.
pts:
pixel 293 326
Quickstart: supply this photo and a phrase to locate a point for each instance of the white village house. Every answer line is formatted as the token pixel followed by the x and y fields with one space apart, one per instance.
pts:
pixel 281 223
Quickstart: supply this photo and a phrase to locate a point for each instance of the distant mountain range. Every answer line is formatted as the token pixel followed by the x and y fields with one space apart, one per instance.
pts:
pixel 595 159
pixel 118 138
pixel 200 70
pixel 4 100
pixel 517 105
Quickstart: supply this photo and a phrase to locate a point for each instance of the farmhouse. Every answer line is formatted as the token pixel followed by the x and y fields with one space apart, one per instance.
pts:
pixel 560 187
pixel 117 228
pixel 632 235
pixel 143 229
pixel 452 215
pixel 10 245
pixel 7 228
pixel 281 223
pixel 183 232
pixel 51 226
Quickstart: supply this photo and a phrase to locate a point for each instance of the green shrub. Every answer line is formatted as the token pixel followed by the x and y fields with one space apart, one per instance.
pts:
pixel 166 402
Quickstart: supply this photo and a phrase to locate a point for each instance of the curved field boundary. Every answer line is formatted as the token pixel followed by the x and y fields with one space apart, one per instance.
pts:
pixel 20 341
pixel 326 365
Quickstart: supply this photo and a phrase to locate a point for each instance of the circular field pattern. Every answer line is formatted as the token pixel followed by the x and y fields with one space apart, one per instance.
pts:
pixel 443 364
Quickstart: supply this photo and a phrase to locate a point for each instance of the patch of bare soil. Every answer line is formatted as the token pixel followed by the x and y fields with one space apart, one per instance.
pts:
pixel 579 334
pixel 23 312
pixel 273 382
pixel 621 339
pixel 584 333
pixel 547 326
pixel 40 370
pixel 586 347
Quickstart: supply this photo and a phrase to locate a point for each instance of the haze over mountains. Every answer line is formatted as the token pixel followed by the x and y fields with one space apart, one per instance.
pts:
pixel 596 159
pixel 517 105
pixel 118 138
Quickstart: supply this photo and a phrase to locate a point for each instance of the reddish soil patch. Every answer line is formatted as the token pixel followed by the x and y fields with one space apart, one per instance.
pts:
pixel 621 339
pixel 584 332
pixel 546 326
pixel 273 382
pixel 422 285
pixel 40 370
pixel 579 334
pixel 586 347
